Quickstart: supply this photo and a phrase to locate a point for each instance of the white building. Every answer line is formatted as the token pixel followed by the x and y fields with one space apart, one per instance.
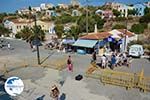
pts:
pixel 49 5
pixel 147 4
pixel 17 25
pixel 43 6
pixel 121 8
pixel 64 6
pixel 23 11
pixel 36 9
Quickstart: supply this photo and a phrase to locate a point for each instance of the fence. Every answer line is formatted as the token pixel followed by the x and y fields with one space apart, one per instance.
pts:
pixel 123 79
pixel 9 66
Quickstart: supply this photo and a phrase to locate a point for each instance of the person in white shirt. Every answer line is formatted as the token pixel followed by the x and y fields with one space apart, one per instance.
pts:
pixel 8 45
pixel 104 60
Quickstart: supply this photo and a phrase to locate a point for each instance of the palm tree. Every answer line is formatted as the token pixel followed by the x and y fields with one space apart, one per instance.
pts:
pixel 4 31
pixel 29 34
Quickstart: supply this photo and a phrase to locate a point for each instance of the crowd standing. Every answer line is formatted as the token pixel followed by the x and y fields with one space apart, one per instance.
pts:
pixel 116 59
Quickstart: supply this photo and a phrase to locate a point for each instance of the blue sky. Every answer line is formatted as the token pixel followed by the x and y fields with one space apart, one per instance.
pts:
pixel 13 5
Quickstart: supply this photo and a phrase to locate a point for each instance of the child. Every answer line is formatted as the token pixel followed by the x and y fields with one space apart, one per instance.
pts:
pixel 69 64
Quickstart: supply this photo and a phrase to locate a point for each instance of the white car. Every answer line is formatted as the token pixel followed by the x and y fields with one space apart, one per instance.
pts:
pixel 136 50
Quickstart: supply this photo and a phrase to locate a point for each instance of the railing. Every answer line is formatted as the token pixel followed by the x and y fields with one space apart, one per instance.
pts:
pixel 123 79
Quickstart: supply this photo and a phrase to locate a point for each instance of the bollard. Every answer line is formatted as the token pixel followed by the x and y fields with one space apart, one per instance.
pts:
pixel 5 69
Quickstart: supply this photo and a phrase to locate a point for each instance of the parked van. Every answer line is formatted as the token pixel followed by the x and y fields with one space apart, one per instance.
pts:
pixel 136 50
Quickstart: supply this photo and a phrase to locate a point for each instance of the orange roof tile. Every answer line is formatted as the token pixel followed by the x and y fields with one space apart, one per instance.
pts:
pixel 96 36
pixel 22 21
pixel 128 33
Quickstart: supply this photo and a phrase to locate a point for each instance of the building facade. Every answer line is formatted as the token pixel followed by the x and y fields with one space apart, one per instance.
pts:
pixel 140 9
pixel 50 13
pixel 16 25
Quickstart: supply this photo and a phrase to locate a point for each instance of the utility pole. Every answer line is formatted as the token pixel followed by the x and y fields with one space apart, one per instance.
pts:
pixel 37 40
pixel 125 35
pixel 87 17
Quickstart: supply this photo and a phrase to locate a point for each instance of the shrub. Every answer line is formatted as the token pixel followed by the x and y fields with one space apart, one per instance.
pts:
pixel 17 36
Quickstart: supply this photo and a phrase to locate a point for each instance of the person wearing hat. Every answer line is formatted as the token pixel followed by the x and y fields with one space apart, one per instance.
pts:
pixel 54 92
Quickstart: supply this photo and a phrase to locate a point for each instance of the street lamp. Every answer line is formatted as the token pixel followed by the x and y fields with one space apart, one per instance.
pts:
pixel 125 36
pixel 37 41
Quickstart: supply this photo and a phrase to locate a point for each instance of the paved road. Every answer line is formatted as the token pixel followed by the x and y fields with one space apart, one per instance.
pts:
pixel 38 80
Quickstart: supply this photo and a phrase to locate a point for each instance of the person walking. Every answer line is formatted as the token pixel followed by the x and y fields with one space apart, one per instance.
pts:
pixel 113 61
pixel 103 61
pixel 69 64
pixel 8 45
pixel 94 57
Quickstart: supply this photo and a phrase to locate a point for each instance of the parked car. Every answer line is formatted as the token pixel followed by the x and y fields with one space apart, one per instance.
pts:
pixel 136 50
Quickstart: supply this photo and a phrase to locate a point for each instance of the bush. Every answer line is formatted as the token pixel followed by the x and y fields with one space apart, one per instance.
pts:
pixel 120 18
pixel 138 28
pixel 119 26
pixel 145 18
pixel 17 36
pixel 136 42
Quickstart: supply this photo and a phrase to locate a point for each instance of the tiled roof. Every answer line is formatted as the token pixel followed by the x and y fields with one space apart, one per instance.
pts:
pixel 128 33
pixel 21 21
pixel 96 36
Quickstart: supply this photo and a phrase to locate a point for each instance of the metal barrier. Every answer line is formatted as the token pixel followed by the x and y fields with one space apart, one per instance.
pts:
pixel 7 67
pixel 123 79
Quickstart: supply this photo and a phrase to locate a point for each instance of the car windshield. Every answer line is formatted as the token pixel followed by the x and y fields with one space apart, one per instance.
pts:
pixel 134 49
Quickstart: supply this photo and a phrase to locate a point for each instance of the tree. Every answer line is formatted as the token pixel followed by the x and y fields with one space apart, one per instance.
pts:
pixel 37 31
pixel 30 9
pixel 25 33
pixel 59 28
pixel 82 24
pixel 100 22
pixel 145 18
pixel 2 15
pixel 30 34
pixel 119 26
pixel 75 31
pixel 116 13
pixel 146 10
pixel 4 31
pixel 132 12
pixel 137 28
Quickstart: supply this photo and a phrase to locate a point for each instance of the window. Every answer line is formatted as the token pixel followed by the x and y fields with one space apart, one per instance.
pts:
pixel 140 9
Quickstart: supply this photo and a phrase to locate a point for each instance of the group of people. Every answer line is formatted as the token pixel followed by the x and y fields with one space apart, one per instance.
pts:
pixel 4 43
pixel 116 59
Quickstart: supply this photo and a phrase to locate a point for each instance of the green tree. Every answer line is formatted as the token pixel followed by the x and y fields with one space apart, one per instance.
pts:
pixel 119 26
pixel 37 31
pixel 30 34
pixel 30 9
pixel 137 28
pixel 25 33
pixel 145 18
pixel 2 15
pixel 82 24
pixel 100 22
pixel 4 31
pixel 59 29
pixel 116 13
pixel 132 12
pixel 146 10
pixel 75 31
